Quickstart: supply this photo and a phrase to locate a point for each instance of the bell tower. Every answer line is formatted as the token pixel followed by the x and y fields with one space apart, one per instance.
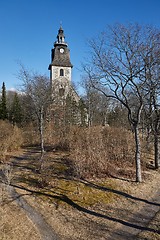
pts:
pixel 66 107
pixel 60 67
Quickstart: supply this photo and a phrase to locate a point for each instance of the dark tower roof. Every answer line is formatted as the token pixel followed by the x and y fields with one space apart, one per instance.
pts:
pixel 60 58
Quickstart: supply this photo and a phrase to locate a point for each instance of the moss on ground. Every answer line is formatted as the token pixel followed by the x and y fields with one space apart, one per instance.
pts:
pixel 53 180
pixel 81 193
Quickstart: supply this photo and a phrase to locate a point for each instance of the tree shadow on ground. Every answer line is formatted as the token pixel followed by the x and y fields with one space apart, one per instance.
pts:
pixel 64 170
pixel 76 206
pixel 58 173
pixel 117 192
pixel 59 165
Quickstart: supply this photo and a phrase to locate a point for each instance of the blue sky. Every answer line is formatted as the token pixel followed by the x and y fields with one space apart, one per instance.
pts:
pixel 28 29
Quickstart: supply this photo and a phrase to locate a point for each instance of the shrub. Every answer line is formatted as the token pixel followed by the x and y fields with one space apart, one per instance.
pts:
pixel 30 135
pixel 10 138
pixel 101 150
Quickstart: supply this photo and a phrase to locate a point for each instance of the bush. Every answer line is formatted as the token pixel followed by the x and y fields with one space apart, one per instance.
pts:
pixel 30 135
pixel 101 150
pixel 10 138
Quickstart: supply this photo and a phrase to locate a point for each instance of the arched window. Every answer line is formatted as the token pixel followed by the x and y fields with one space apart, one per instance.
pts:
pixel 61 72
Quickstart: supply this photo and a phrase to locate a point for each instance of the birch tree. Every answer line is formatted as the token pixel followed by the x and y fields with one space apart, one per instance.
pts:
pixel 37 88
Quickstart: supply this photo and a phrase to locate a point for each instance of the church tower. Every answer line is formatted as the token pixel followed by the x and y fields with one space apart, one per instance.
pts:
pixel 61 68
pixel 66 106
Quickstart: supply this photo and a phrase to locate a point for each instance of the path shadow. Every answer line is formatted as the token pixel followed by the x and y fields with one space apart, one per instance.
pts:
pixel 70 202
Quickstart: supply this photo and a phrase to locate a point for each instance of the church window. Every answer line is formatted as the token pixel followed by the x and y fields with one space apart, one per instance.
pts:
pixel 61 92
pixel 61 72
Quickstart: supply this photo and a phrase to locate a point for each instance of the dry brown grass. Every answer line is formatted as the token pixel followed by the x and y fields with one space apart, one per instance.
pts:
pixel 72 224
pixel 109 199
pixel 155 224
pixel 14 224
pixel 93 154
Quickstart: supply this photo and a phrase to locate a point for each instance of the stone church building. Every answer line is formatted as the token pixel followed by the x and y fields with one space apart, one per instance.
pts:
pixel 65 100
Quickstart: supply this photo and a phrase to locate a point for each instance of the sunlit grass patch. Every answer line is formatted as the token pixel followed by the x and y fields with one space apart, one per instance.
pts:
pixel 82 193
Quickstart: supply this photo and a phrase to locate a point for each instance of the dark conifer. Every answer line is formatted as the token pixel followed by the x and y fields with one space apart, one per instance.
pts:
pixel 16 110
pixel 3 104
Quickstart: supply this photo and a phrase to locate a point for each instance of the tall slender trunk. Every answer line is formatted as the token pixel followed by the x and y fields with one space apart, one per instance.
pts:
pixel 155 127
pixel 156 151
pixel 137 154
pixel 41 138
pixel 41 131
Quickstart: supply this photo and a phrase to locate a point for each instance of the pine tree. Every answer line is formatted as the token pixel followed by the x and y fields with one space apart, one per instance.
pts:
pixel 3 104
pixel 16 110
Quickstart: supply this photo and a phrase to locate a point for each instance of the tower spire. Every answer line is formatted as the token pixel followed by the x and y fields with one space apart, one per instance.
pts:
pixel 60 24
pixel 60 56
pixel 60 37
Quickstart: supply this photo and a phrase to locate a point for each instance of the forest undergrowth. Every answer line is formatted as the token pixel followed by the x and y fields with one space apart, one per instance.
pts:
pixel 92 152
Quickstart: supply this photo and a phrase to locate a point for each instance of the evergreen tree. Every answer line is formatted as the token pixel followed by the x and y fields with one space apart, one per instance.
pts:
pixel 3 103
pixel 16 110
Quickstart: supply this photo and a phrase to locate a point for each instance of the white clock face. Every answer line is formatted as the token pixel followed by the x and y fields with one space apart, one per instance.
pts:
pixel 61 50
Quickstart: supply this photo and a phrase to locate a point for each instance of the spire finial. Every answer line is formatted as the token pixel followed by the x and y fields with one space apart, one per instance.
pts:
pixel 60 24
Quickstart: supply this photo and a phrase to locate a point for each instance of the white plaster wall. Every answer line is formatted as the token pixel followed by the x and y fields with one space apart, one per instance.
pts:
pixel 55 73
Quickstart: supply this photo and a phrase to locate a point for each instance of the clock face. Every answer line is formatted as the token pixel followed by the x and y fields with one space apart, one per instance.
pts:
pixel 61 50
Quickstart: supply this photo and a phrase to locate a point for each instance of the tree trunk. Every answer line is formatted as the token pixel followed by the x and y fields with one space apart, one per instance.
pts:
pixel 41 131
pixel 138 154
pixel 41 138
pixel 156 151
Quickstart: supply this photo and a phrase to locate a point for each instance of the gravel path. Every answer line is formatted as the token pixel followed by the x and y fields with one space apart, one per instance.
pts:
pixel 141 218
pixel 45 231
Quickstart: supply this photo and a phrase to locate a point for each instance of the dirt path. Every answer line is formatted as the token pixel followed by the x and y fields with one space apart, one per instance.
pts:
pixel 46 232
pixel 141 219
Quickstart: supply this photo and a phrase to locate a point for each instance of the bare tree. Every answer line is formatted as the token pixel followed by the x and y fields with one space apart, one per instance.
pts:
pixel 37 88
pixel 97 105
pixel 117 69
pixel 152 100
